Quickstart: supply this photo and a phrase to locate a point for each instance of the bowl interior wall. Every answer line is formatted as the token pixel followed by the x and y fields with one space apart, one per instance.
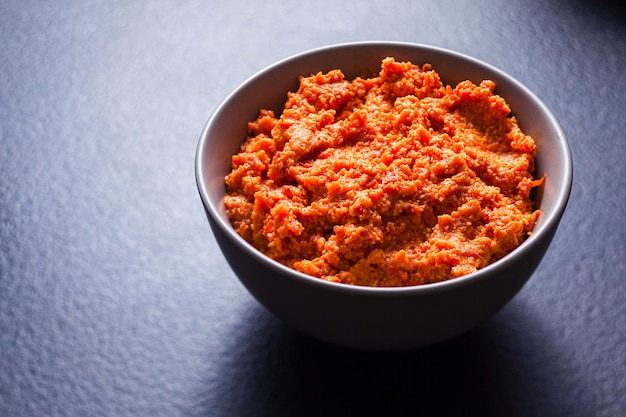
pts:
pixel 268 89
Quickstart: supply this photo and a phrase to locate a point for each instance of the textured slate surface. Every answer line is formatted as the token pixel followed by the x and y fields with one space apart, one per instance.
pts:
pixel 114 299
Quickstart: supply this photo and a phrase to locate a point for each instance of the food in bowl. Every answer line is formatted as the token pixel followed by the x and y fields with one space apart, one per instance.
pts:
pixel 387 181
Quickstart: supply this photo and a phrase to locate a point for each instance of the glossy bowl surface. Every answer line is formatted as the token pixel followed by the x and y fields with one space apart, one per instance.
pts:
pixel 365 317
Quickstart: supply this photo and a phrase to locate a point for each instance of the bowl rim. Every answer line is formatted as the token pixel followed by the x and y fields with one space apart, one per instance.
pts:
pixel 547 225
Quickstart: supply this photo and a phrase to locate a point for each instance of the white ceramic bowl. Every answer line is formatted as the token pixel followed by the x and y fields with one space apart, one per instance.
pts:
pixel 366 317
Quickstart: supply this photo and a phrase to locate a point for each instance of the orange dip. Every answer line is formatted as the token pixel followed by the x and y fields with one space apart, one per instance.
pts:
pixel 394 180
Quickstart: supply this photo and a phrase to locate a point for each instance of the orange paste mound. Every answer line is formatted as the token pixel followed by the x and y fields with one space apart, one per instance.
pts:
pixel 393 180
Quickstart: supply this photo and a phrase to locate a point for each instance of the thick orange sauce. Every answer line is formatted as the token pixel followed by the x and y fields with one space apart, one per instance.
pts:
pixel 393 180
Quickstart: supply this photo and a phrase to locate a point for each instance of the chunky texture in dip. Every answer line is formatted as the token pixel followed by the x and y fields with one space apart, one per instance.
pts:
pixel 393 180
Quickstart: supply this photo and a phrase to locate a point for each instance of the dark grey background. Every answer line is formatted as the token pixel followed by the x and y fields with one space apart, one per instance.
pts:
pixel 114 298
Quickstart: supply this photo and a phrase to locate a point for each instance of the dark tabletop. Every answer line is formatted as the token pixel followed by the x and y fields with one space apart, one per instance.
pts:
pixel 114 297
